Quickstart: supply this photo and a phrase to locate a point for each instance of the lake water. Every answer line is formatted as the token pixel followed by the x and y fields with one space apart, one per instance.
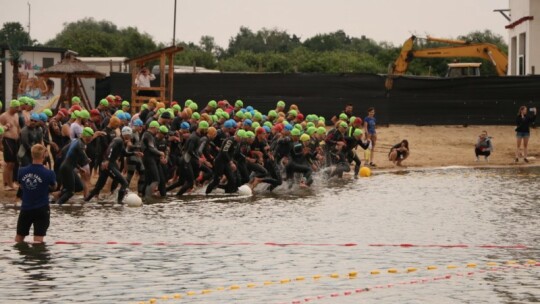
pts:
pixel 198 243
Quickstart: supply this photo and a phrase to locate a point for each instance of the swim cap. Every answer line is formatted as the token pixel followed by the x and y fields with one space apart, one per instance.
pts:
pixel 47 112
pixel 311 130
pixel 267 124
pixel 247 115
pixel 2 130
pixel 272 113
pixel 321 130
pixel 247 122
pixel 104 102
pixel 293 113
pixel 31 102
pixel 239 115
pixel 241 133
pixel 298 126
pixel 239 103
pixel 304 137
pixel 343 116
pixel 211 131
pixel 196 116
pixel 184 125
pixel 34 116
pixel 138 122
pixel 187 103
pixel 267 129
pixel 288 127
pixel 14 103
pixel 118 112
pixel 160 111
pixel 84 114
pixel 357 132
pixel 144 106
pixel 212 104
pixel 87 132
pixel 115 122
pixel 153 124
pixel 300 117
pixel 127 116
pixel 166 115
pixel 255 125
pixel 229 124
pixel 257 116
pixel 295 132
pixel 310 124
pixel 75 99
pixel 281 104
pixel 250 134
pixel 177 108
pixel 351 120
pixel 125 103
pixel 163 129
pixel 43 117
pixel 152 101
pixel 343 124
pixel 127 131
pixel 203 125
pixel 121 116
pixel 357 121
pixel 160 105
pixel 193 106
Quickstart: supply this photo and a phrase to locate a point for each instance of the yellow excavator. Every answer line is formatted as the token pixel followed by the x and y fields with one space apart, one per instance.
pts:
pixel 456 48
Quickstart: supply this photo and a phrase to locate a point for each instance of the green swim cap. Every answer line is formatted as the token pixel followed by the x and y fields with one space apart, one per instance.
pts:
pixel 343 116
pixel 215 118
pixel 250 134
pixel 14 103
pixel 1 104
pixel 311 130
pixel 257 116
pixel 239 103
pixel 153 124
pixel 247 115
pixel 23 100
pixel 104 102
pixel 31 102
pixel 144 107
pixel 1 130
pixel 255 125
pixel 298 126
pixel 160 111
pixel 225 115
pixel 241 133
pixel 239 115
pixel 358 132
pixel 84 114
pixel 187 103
pixel 87 132
pixel 125 103
pixel 295 132
pixel 321 130
pixel 193 106
pixel 196 115
pixel 203 125
pixel 293 113
pixel 343 124
pixel 304 137
pixel 281 104
pixel 272 113
pixel 75 99
pixel 322 119
pixel 351 120
pixel 268 124
pixel 310 124
pixel 212 104
pixel 177 108
pixel 118 112
pixel 47 112
pixel 163 129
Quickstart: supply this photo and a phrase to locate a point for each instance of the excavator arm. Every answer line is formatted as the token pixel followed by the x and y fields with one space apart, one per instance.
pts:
pixel 459 48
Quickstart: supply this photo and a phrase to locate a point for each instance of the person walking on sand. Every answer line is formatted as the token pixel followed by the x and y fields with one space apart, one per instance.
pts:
pixel 36 181
pixel 371 133
pixel 523 121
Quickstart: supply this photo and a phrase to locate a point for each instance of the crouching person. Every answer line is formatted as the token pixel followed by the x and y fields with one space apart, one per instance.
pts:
pixel 483 146
pixel 35 181
pixel 399 152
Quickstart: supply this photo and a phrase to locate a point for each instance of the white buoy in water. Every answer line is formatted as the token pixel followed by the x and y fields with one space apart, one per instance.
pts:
pixel 244 190
pixel 133 200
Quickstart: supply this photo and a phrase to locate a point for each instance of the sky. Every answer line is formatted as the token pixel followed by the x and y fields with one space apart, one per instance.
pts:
pixel 382 20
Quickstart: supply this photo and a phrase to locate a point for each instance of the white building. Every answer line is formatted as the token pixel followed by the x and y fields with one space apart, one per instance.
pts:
pixel 524 37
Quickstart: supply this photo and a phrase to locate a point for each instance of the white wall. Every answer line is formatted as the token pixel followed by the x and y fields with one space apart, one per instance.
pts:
pixel 531 30
pixel 31 63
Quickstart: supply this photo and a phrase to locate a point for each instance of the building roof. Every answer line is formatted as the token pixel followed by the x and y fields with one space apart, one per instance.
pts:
pixel 102 59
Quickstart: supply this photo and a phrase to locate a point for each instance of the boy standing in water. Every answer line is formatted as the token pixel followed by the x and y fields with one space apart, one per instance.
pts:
pixel 35 181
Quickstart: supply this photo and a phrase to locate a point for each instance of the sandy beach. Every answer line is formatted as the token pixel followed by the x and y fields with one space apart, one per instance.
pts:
pixel 439 146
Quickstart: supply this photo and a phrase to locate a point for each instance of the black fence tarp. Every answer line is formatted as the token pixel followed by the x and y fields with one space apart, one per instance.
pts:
pixel 413 100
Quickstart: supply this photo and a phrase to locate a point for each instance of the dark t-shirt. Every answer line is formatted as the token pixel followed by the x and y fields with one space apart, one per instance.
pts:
pixel 35 181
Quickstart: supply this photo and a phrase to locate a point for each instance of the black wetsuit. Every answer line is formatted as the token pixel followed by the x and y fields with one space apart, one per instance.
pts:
pixel 298 163
pixel 350 152
pixel 113 154
pixel 190 162
pixel 135 163
pixel 222 165
pixel 150 161
pixel 75 157
pixel 29 137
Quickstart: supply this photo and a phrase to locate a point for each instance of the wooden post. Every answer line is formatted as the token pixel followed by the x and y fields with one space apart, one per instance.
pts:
pixel 162 77
pixel 171 76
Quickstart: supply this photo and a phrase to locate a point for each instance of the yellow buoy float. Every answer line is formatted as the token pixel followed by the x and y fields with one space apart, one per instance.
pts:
pixel 365 172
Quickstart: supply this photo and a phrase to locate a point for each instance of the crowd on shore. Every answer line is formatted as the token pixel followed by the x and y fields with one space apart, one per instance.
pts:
pixel 178 147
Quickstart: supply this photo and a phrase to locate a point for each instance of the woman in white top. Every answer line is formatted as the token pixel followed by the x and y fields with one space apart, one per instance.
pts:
pixel 143 81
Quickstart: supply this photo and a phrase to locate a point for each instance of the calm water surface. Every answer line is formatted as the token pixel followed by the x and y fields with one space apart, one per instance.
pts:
pixel 450 206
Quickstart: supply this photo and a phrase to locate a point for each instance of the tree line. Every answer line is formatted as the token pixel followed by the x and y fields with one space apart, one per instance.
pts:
pixel 265 50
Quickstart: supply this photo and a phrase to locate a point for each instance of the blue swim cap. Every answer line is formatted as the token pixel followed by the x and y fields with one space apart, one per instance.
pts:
pixel 34 116
pixel 249 108
pixel 121 116
pixel 267 129
pixel 229 124
pixel 184 125
pixel 288 127
pixel 138 122
pixel 127 115
pixel 247 122
pixel 43 117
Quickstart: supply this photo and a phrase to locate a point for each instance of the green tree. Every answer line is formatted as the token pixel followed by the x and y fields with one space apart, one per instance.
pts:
pixel 89 37
pixel 15 38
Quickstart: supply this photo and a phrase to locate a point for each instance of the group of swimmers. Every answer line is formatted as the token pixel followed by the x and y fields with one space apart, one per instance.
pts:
pixel 181 147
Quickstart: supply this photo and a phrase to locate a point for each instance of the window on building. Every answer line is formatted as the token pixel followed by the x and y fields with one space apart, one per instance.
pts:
pixel 48 62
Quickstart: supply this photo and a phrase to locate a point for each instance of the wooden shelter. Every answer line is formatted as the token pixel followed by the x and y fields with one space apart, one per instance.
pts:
pixel 71 70
pixel 165 88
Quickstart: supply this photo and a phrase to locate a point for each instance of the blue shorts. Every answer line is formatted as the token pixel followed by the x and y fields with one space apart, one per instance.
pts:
pixel 523 134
